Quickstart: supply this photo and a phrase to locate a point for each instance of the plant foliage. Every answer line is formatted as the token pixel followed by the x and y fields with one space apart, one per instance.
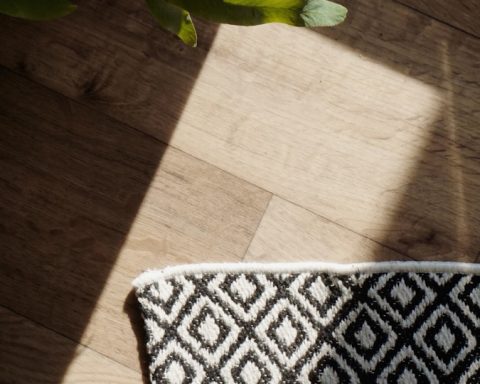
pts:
pixel 174 15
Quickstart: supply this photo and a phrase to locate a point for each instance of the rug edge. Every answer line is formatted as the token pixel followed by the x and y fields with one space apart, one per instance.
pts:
pixel 148 276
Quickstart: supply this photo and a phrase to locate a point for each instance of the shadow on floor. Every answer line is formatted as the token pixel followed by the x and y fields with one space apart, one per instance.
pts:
pixel 437 217
pixel 131 308
pixel 72 179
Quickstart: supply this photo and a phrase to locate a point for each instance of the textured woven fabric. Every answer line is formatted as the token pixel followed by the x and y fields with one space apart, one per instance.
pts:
pixel 311 326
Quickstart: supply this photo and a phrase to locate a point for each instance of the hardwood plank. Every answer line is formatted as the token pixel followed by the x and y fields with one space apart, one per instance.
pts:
pixel 373 125
pixel 87 203
pixel 111 54
pixel 462 14
pixel 289 233
pixel 379 132
pixel 32 354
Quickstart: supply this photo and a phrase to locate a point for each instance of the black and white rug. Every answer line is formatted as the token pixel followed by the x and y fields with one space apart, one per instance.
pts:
pixel 401 322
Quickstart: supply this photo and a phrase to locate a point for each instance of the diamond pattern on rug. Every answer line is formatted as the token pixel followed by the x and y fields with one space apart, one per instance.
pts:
pixel 467 296
pixel 209 330
pixel 366 336
pixel 286 332
pixel 245 294
pixel 445 339
pixel 174 363
pixel 404 297
pixel 165 298
pixel 326 366
pixel 248 363
pixel 405 368
pixel 312 327
pixel 320 294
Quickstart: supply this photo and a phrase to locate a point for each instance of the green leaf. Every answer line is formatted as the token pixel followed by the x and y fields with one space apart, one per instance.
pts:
pixel 305 13
pixel 174 19
pixel 323 13
pixel 36 9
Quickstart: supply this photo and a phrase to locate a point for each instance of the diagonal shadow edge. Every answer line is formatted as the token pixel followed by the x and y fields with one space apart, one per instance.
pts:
pixel 436 215
pixel 72 178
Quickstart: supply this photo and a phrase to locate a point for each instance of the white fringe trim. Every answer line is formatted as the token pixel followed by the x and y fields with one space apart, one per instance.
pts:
pixel 372 267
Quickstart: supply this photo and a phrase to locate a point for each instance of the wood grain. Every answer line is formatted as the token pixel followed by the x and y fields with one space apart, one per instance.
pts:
pixel 289 233
pixel 367 135
pixel 113 56
pixel 373 125
pixel 87 203
pixel 462 14
pixel 32 354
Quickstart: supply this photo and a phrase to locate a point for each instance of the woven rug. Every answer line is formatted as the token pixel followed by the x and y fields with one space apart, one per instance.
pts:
pixel 400 322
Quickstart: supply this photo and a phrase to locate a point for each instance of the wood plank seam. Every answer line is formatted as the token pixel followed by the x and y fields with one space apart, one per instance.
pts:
pixel 436 19
pixel 330 221
pixel 203 161
pixel 240 197
pixel 247 176
pixel 76 342
pixel 256 228
pixel 221 167
pixel 129 126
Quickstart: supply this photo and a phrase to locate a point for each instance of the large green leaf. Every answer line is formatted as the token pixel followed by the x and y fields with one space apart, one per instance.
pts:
pixel 174 19
pixel 305 13
pixel 174 15
pixel 36 9
pixel 322 13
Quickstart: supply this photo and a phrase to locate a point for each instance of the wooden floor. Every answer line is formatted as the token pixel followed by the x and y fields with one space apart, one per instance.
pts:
pixel 122 150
